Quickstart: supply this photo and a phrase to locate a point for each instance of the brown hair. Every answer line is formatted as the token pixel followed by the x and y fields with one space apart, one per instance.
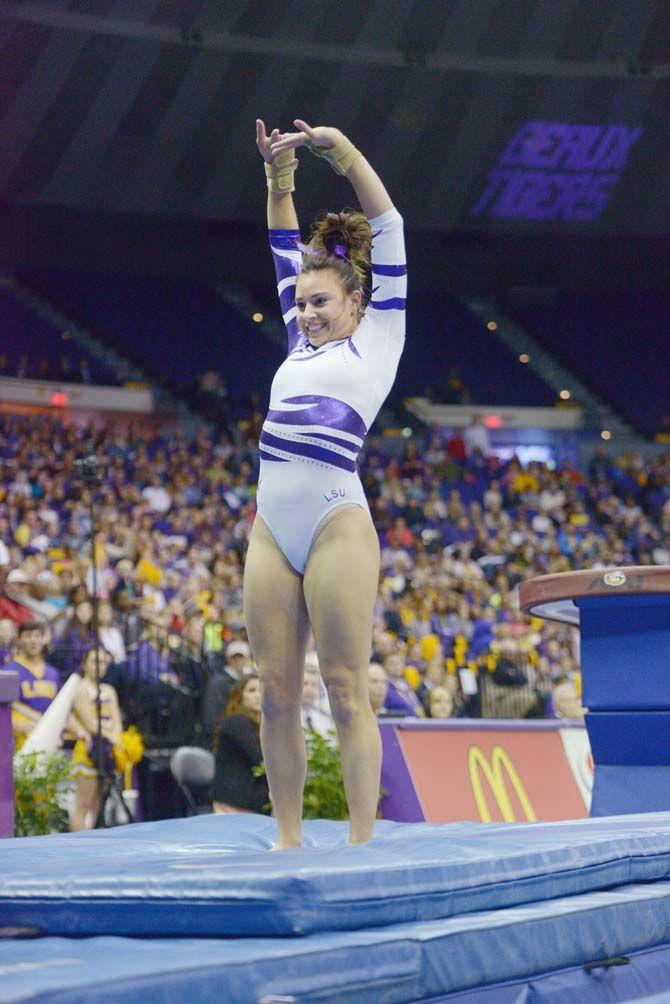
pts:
pixel 351 230
pixel 234 706
pixel 31 626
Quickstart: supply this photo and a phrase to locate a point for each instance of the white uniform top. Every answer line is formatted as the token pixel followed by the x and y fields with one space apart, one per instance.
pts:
pixel 324 400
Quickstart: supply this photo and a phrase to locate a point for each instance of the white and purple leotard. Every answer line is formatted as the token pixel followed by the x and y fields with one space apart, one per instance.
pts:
pixel 324 400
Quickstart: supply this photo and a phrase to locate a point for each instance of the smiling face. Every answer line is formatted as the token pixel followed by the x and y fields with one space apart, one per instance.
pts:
pixel 325 311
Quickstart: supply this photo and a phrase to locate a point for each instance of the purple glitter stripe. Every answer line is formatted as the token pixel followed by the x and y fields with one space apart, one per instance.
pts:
pixel 285 267
pixel 270 456
pixel 395 303
pixel 319 453
pixel 354 349
pixel 294 335
pixel 354 447
pixel 287 298
pixel 327 411
pixel 389 269
pixel 284 239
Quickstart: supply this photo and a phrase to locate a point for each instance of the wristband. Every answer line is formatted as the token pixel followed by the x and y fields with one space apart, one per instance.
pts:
pixel 280 172
pixel 340 157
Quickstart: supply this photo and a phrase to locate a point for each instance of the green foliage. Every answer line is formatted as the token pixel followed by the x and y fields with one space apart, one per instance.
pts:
pixel 40 782
pixel 324 796
pixel 324 789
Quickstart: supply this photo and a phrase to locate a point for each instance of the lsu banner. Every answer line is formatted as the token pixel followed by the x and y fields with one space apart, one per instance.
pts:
pixel 484 771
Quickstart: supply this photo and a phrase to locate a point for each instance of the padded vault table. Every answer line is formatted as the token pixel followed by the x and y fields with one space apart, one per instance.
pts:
pixel 623 615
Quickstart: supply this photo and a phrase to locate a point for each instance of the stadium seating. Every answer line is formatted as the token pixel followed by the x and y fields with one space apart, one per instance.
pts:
pixel 598 336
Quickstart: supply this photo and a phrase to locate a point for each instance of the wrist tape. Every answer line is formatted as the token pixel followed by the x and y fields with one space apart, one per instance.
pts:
pixel 340 157
pixel 281 171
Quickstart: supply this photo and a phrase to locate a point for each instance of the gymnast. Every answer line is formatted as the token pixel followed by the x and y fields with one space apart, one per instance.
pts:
pixel 313 557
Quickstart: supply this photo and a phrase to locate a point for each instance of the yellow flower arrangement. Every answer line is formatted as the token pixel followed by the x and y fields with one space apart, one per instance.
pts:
pixel 128 754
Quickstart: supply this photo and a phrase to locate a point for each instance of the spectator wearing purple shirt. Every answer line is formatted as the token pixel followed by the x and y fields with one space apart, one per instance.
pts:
pixel 38 681
pixel 384 698
pixel 561 521
pixel 394 666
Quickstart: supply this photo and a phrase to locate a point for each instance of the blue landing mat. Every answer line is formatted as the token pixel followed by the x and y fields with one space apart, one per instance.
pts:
pixel 630 985
pixel 393 965
pixel 213 876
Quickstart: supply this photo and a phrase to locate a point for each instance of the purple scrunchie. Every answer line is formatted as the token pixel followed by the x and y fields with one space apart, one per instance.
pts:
pixel 340 251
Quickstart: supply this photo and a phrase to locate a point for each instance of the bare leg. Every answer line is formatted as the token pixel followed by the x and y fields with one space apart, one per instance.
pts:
pixel 86 800
pixel 278 629
pixel 341 579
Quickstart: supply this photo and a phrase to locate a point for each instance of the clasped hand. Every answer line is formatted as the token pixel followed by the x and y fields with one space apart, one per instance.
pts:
pixel 325 137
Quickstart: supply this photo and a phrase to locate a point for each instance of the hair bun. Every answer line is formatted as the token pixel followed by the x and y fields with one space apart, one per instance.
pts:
pixel 347 236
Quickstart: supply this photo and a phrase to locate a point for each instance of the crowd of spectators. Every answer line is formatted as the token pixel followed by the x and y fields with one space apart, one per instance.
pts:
pixel 459 530
pixel 64 368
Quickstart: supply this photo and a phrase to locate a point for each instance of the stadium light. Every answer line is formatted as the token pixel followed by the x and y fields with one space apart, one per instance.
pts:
pixel 564 395
pixel 492 326
pixel 257 317
pixel 524 358
pixel 606 434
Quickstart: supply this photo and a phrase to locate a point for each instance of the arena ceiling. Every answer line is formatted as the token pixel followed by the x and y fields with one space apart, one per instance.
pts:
pixel 493 115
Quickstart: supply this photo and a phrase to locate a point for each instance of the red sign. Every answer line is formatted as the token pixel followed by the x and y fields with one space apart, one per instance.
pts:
pixel 491 775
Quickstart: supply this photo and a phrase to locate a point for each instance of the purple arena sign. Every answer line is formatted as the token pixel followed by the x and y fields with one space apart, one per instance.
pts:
pixel 557 171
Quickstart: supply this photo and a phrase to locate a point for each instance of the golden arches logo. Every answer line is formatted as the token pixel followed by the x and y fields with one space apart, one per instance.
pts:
pixel 497 773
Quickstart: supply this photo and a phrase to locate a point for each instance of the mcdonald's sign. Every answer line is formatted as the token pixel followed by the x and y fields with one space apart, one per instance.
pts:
pixel 512 772
pixel 497 772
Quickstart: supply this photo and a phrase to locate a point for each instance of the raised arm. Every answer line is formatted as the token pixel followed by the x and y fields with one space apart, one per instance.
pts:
pixel 283 225
pixel 369 188
pixel 280 169
pixel 342 155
